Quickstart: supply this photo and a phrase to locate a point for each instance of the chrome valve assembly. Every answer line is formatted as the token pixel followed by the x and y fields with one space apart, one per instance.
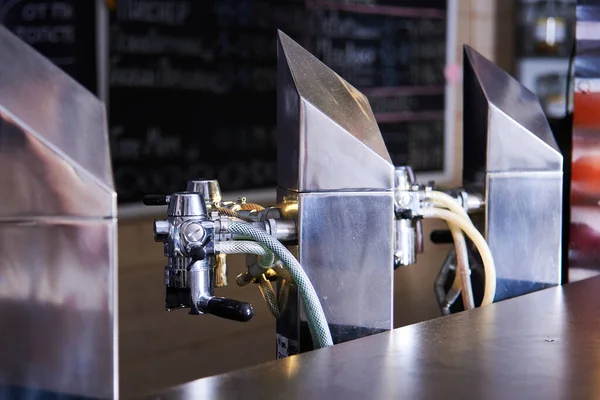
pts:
pixel 409 225
pixel 194 236
pixel 410 198
pixel 189 236
pixel 196 231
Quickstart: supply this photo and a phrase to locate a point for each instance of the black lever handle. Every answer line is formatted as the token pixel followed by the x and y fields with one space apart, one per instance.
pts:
pixel 229 309
pixel 156 200
pixel 441 237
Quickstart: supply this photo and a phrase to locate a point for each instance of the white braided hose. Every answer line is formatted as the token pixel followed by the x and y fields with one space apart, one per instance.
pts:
pixel 246 247
pixel 479 242
pixel 317 322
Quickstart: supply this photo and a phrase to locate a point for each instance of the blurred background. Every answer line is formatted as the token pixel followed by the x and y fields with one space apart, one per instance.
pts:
pixel 189 87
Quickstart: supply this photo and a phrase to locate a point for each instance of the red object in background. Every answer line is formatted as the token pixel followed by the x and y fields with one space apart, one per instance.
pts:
pixel 584 246
pixel 584 238
pixel 585 174
pixel 586 110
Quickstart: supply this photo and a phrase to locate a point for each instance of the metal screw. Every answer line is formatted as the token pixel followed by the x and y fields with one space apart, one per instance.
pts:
pixel 404 199
pixel 194 232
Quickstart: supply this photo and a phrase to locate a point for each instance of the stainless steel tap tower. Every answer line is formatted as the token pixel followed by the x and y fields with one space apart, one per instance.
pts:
pixel 512 160
pixel 349 216
pixel 333 163
pixel 58 288
pixel 343 210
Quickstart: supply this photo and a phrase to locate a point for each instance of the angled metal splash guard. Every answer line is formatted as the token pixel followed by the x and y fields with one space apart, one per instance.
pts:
pixel 511 157
pixel 58 311
pixel 329 139
pixel 334 167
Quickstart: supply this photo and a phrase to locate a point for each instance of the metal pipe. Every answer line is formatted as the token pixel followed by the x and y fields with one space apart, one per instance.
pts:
pixel 406 244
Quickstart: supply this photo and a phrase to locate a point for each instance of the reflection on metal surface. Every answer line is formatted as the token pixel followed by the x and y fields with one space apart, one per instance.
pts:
pixel 292 367
pixel 351 269
pixel 511 156
pixel 409 231
pixel 333 164
pixel 502 351
pixel 328 136
pixel 505 128
pixel 209 188
pixel 53 131
pixel 57 231
pixel 189 239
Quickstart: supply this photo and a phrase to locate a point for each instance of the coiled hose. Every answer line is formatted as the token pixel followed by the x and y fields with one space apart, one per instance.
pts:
pixel 463 272
pixel 247 247
pixel 317 322
pixel 463 275
pixel 467 226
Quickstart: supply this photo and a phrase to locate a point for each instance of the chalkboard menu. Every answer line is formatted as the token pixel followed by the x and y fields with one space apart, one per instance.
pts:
pixel 192 83
pixel 63 31
pixel 395 53
pixel 192 92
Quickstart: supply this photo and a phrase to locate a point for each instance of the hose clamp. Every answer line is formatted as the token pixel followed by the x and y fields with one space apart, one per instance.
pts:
pixel 222 232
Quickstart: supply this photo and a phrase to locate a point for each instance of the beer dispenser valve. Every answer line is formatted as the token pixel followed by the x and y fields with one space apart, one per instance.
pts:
pixel 188 235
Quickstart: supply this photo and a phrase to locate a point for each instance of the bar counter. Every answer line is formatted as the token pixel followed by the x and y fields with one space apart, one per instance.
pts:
pixel 545 345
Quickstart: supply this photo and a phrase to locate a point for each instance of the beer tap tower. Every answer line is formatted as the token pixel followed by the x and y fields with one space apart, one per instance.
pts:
pixel 347 216
pixel 323 256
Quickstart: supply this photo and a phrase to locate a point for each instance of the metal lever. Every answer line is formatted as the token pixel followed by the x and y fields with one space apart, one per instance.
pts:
pixel 156 200
pixel 442 236
pixel 229 309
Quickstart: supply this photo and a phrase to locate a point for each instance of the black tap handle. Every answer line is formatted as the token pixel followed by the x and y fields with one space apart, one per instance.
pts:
pixel 229 309
pixel 441 237
pixel 156 200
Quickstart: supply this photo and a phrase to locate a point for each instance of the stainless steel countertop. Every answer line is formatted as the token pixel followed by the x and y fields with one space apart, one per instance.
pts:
pixel 544 345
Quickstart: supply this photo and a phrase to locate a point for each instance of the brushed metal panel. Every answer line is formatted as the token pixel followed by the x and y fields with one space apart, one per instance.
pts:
pixel 58 306
pixel 53 138
pixel 333 164
pixel 58 289
pixel 39 182
pixel 329 153
pixel 51 103
pixel 346 250
pixel 504 125
pixel 512 159
pixel 523 230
